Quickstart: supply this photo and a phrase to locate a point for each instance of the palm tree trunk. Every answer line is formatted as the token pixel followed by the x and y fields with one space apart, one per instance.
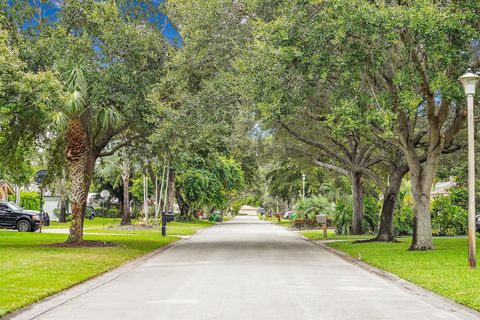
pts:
pixel 78 164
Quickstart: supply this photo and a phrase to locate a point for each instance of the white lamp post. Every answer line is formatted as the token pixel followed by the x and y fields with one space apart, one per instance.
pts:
pixel 470 81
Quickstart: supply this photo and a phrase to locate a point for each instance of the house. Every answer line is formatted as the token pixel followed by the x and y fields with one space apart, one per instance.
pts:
pixel 247 210
pixel 442 188
pixel 5 190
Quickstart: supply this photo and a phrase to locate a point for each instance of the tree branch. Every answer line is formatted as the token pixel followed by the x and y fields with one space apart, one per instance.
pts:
pixel 332 167
pixel 119 146
pixel 316 144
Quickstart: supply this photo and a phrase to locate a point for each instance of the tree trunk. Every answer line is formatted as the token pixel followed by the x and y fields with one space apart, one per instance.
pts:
pixel 422 222
pixel 80 165
pixel 171 191
pixel 62 218
pixel 422 180
pixel 126 218
pixel 385 231
pixel 184 207
pixel 357 216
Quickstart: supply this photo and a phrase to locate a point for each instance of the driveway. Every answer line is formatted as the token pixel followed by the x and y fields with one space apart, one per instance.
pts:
pixel 250 269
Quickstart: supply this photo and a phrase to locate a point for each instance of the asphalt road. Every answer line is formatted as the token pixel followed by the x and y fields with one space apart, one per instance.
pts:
pixel 249 269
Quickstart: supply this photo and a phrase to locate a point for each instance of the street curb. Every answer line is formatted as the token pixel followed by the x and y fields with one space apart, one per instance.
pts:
pixel 49 303
pixel 431 297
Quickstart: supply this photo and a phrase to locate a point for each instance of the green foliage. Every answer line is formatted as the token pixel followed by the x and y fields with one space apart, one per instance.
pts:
pixel 136 189
pixel 371 214
pixel 459 196
pixel 403 220
pixel 248 200
pixel 28 200
pixel 25 97
pixel 215 217
pixel 403 213
pixel 312 206
pixel 211 182
pixel 342 218
pixel 448 219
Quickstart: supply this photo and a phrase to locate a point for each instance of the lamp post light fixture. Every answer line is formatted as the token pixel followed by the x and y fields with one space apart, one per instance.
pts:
pixel 470 81
pixel 303 186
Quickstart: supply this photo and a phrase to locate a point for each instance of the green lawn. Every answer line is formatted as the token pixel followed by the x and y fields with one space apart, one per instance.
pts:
pixel 443 270
pixel 29 271
pixel 175 228
pixel 96 223
pixel 109 225
pixel 283 222
pixel 318 235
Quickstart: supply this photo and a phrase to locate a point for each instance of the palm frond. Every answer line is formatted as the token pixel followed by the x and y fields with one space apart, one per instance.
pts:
pixel 60 119
pixel 109 168
pixel 109 117
pixel 77 92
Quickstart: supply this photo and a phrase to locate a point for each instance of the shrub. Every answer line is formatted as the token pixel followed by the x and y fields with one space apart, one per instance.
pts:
pixel 28 200
pixel 215 217
pixel 403 221
pixel 448 219
pixel 459 197
pixel 107 212
pixel 371 215
pixel 113 213
pixel 306 211
pixel 403 213
pixel 310 207
pixel 342 217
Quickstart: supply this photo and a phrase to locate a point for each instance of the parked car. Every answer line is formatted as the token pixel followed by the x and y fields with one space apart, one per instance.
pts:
pixel 46 219
pixel 288 215
pixel 15 217
pixel 478 222
pixel 90 212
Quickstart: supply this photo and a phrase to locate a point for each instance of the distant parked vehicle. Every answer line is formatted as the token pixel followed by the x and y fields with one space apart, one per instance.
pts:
pixel 478 222
pixel 46 219
pixel 90 212
pixel 15 217
pixel 288 215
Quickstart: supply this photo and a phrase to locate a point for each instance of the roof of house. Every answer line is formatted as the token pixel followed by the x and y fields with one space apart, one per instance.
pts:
pixel 248 210
pixel 4 185
pixel 442 187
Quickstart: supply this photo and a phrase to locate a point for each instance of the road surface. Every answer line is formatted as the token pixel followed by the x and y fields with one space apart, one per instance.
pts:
pixel 250 269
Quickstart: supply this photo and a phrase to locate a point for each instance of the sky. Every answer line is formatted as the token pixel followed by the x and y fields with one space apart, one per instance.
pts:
pixel 52 7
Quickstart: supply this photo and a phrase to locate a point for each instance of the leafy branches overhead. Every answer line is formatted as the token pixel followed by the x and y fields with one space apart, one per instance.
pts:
pixel 210 184
pixel 25 98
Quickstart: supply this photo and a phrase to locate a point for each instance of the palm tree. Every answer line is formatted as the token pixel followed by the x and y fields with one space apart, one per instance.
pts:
pixel 78 118
pixel 113 167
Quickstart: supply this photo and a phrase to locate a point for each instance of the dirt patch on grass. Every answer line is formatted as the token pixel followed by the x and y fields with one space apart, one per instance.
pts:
pixel 131 227
pixel 84 244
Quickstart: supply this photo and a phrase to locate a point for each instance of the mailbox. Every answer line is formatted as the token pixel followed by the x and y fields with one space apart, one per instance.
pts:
pixel 169 217
pixel 321 218
pixel 166 217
